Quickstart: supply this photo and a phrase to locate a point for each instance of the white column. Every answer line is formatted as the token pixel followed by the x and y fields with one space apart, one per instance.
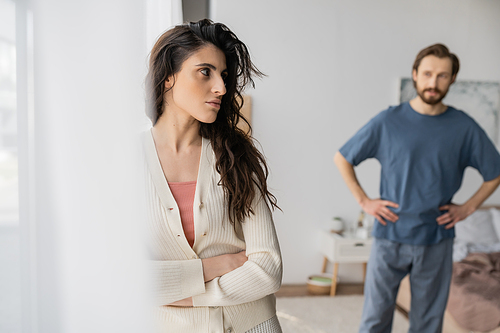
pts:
pixel 89 67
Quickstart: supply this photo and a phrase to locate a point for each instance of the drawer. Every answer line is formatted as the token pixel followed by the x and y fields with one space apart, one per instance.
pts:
pixel 339 249
pixel 353 250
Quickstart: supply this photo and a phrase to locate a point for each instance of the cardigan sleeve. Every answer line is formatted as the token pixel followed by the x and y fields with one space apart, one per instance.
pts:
pixel 173 280
pixel 260 275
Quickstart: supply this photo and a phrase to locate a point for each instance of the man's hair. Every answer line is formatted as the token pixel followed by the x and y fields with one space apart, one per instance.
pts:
pixel 440 51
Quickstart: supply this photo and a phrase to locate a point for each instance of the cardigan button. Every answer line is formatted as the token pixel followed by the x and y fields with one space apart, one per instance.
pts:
pixel 229 330
pixel 201 205
pixel 204 234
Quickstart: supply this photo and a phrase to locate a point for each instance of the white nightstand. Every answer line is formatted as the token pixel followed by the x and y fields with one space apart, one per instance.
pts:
pixel 347 249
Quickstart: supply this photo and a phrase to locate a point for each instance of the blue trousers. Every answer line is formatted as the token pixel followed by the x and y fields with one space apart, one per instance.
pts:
pixel 430 268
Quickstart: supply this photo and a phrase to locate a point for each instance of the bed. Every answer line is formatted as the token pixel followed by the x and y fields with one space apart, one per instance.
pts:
pixel 474 301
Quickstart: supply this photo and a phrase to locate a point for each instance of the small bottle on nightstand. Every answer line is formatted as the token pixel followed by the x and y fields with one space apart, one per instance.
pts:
pixel 361 231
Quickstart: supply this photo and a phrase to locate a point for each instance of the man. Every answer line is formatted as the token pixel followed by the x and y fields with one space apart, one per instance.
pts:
pixel 423 147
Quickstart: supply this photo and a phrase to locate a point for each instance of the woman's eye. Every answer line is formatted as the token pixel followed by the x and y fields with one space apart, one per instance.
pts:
pixel 205 71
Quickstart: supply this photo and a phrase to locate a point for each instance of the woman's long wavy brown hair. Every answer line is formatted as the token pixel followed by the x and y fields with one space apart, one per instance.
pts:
pixel 242 167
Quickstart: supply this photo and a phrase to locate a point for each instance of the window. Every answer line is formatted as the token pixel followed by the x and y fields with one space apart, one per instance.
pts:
pixel 10 285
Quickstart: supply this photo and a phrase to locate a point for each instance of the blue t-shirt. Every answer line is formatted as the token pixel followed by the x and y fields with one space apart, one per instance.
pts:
pixel 423 159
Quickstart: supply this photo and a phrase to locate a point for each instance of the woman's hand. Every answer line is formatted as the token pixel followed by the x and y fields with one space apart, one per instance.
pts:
pixel 220 265
pixel 214 267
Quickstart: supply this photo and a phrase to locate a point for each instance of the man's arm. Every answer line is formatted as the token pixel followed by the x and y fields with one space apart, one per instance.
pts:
pixel 457 213
pixel 375 207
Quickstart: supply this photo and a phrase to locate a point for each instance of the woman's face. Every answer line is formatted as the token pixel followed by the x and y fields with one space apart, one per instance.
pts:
pixel 199 86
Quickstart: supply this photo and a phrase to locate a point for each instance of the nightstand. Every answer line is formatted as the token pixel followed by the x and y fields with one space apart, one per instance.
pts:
pixel 343 249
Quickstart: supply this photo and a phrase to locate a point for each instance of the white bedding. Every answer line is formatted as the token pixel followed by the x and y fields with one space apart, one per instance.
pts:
pixel 480 232
pixel 463 249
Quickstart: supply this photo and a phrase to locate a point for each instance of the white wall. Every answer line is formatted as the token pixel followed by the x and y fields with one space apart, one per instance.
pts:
pixel 333 65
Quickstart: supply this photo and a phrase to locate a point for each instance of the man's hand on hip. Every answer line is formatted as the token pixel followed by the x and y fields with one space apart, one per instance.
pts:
pixel 378 208
pixel 454 214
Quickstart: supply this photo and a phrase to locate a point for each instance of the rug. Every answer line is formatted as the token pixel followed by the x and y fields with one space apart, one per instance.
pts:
pixel 324 314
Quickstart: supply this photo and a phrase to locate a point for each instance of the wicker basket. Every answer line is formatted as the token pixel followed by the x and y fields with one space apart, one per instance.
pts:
pixel 319 284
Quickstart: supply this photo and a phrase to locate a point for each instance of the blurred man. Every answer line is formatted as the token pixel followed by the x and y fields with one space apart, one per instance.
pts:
pixel 423 147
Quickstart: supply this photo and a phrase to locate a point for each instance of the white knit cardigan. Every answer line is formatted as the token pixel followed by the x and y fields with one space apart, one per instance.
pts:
pixel 234 302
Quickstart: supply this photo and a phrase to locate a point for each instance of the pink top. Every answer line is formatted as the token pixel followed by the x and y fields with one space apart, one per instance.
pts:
pixel 183 193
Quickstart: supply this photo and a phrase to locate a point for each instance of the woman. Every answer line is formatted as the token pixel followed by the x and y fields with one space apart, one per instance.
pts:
pixel 216 259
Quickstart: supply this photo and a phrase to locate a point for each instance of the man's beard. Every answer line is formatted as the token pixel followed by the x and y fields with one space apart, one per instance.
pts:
pixel 432 100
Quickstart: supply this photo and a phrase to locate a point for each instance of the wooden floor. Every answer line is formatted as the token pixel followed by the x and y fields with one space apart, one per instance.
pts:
pixel 295 290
